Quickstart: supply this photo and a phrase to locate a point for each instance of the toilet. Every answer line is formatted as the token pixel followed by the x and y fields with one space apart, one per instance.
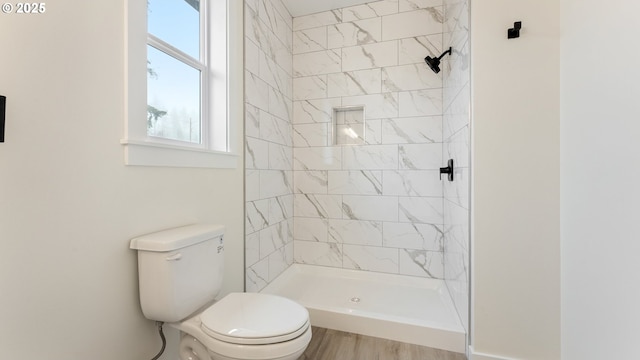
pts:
pixel 180 273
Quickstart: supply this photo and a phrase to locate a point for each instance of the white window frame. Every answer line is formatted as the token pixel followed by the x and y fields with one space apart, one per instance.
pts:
pixel 218 148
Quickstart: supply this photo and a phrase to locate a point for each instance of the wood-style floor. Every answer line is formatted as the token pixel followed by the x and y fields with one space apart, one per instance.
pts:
pixel 339 345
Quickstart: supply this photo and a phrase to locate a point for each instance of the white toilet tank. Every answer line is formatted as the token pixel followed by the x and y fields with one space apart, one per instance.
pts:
pixel 179 270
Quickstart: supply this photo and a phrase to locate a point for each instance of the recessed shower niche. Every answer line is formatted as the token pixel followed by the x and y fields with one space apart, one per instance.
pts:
pixel 347 126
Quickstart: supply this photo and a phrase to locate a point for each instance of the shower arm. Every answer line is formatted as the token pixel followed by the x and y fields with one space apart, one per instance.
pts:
pixel 450 51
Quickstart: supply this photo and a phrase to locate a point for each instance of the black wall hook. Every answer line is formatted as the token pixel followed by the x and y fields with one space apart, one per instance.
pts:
pixel 514 32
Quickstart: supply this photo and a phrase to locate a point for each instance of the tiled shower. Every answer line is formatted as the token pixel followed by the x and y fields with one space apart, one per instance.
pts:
pixel 346 129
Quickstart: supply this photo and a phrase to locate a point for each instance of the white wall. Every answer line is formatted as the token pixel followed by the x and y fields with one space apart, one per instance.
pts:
pixel 516 200
pixel 68 205
pixel 600 177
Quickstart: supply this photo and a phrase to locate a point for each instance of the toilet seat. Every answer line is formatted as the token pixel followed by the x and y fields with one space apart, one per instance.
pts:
pixel 254 319
pixel 288 350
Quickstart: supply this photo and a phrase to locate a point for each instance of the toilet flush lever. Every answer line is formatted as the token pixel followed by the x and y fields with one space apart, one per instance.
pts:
pixel 174 257
pixel 447 170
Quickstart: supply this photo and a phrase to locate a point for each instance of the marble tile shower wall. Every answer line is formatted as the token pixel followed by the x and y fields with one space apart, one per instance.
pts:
pixel 376 206
pixel 268 145
pixel 457 98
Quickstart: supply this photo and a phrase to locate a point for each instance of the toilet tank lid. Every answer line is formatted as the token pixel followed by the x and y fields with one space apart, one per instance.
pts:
pixel 176 238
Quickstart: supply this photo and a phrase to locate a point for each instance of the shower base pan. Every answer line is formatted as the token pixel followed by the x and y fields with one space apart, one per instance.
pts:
pixel 395 307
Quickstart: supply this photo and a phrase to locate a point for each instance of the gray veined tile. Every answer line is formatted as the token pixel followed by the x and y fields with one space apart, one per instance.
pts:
pixel 266 68
pixel 275 183
pixel 252 57
pixel 252 121
pixel 275 22
pixel 275 76
pixel 421 263
pixel 310 40
pixel 289 238
pixel 257 215
pixel 409 5
pixel 310 229
pixel 317 20
pixel 318 206
pixel 456 227
pixel 277 51
pixel 252 185
pixel 355 232
pixel 317 158
pixel 310 182
pixel 254 29
pixel 256 91
pixel 413 236
pixel 455 269
pixel 259 33
pixel 274 129
pixel 280 157
pixel 253 4
pixel 363 182
pixel 306 135
pixel 457 147
pixel 458 113
pixel 272 238
pixel 280 105
pixel 257 276
pixel 412 183
pixel 414 49
pixel 376 106
pixel 413 130
pixel 456 16
pixel 370 56
pixel 353 83
pixel 354 33
pixel 256 154
pixel 409 77
pixel 318 253
pixel 420 103
pixel 280 208
pixel 412 23
pixel 279 6
pixel 314 111
pixel 279 261
pixel 310 87
pixel 373 132
pixel 370 10
pixel 420 210
pixel 376 208
pixel 252 249
pixel 457 88
pixel 421 156
pixel 371 258
pixel 317 63
pixel 370 157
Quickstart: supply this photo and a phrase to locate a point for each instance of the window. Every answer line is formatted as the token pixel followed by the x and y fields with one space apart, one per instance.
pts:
pixel 178 95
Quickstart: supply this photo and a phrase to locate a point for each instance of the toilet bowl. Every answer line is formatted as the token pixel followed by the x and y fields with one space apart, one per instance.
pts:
pixel 180 272
pixel 246 326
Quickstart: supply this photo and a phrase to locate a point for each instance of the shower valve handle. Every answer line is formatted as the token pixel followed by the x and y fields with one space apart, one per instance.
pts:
pixel 447 170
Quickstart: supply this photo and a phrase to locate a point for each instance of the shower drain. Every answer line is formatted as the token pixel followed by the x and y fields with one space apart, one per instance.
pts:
pixel 355 299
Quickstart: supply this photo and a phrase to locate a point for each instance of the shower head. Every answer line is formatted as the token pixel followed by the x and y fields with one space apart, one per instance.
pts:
pixel 434 63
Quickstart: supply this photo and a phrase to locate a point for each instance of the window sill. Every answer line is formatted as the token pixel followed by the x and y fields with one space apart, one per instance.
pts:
pixel 141 153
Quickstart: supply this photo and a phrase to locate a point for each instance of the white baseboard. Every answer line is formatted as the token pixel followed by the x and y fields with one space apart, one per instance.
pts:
pixel 482 356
